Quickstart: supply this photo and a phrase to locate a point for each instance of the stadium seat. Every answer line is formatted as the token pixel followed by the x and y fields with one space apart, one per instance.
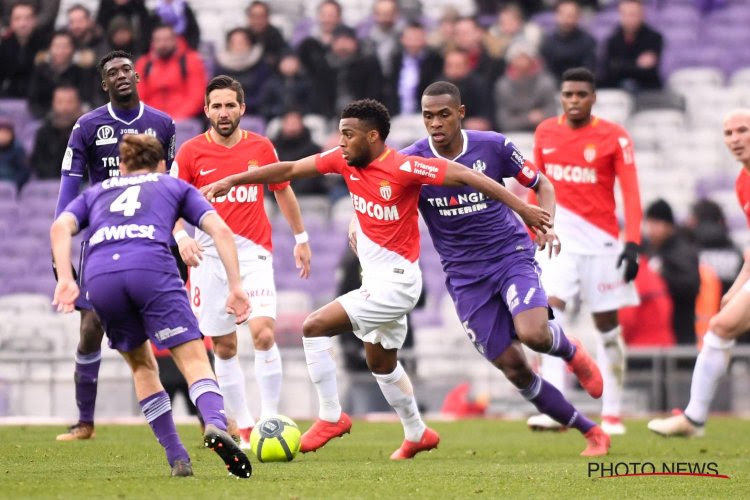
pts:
pixel 686 80
pixel 7 191
pixel 45 190
pixel 17 110
pixel 613 104
pixel 187 129
pixel 524 141
pixel 316 124
pixel 741 78
pixel 406 129
pixel 292 308
pixel 659 99
pixel 25 303
pixel 342 211
pixel 253 123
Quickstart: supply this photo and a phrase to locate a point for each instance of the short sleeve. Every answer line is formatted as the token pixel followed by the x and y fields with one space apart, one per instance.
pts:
pixel 272 157
pixel 418 170
pixel 194 206
pixel 514 165
pixel 75 157
pixel 329 162
pixel 79 208
pixel 182 165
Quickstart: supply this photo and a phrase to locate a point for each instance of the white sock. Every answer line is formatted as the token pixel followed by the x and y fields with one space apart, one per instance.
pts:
pixel 712 363
pixel 553 368
pixel 610 356
pixel 322 369
pixel 268 374
pixel 399 393
pixel 231 381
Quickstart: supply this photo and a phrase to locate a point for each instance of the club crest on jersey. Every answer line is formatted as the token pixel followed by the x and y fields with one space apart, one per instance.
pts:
pixel 252 164
pixel 589 153
pixel 479 166
pixel 150 131
pixel 385 190
pixel 105 135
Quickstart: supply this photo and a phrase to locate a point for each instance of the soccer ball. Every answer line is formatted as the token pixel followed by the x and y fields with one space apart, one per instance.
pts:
pixel 275 439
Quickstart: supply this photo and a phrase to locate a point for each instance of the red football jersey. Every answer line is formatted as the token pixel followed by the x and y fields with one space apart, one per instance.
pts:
pixel 385 195
pixel 201 161
pixel 582 165
pixel 743 192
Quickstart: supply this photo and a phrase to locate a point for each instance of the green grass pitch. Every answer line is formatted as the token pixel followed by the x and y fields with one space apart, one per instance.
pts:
pixel 476 459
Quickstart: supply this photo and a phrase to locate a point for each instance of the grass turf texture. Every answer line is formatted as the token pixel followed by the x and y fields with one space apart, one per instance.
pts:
pixel 476 459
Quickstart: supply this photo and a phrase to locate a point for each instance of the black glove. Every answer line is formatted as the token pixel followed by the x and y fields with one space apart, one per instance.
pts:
pixel 630 257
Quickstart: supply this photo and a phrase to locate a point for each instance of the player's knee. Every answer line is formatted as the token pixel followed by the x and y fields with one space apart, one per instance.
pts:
pixel 91 334
pixel 537 336
pixel 313 326
pixel 226 347
pixel 721 327
pixel 381 366
pixel 606 322
pixel 519 374
pixel 263 339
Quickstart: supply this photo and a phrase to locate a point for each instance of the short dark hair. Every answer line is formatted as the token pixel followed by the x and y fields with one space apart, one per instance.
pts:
pixel 332 2
pixel 563 2
pixel 371 111
pixel 140 151
pixel 78 6
pixel 225 82
pixel 257 3
pixel 24 3
pixel 65 33
pixel 115 54
pixel 244 31
pixel 579 75
pixel 443 88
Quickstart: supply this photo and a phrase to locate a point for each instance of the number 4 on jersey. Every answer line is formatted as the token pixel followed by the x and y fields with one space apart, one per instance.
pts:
pixel 127 202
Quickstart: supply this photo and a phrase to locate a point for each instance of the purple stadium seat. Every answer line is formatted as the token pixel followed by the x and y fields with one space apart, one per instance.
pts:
pixel 17 110
pixel 682 15
pixel 24 246
pixel 7 191
pixel 725 36
pixel 302 30
pixel 733 15
pixel 545 20
pixel 45 190
pixel 27 134
pixel 187 129
pixel 253 123
pixel 9 210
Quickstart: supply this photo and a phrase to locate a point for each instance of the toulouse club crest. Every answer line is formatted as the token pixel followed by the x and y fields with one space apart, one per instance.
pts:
pixel 385 190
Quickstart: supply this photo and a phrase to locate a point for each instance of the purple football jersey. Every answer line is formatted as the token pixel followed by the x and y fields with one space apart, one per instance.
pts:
pixel 130 221
pixel 469 230
pixel 95 139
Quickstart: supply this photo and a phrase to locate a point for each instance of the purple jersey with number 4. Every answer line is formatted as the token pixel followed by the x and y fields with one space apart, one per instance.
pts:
pixel 486 253
pixel 130 221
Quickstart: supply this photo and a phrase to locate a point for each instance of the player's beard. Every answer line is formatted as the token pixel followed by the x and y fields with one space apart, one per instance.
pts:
pixel 227 132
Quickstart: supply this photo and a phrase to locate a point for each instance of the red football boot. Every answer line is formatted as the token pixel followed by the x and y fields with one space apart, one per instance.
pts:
pixel 408 449
pixel 323 431
pixel 585 369
pixel 597 443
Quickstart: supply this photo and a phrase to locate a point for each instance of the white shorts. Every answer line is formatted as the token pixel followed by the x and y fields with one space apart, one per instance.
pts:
pixel 378 310
pixel 596 278
pixel 209 288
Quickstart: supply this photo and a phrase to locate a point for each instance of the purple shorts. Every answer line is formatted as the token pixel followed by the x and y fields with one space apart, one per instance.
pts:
pixel 487 302
pixel 138 305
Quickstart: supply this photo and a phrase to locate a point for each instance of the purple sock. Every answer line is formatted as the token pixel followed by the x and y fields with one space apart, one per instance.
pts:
pixel 206 396
pixel 86 375
pixel 158 412
pixel 561 346
pixel 550 401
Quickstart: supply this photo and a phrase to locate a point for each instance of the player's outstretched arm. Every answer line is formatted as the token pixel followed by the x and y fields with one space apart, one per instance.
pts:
pixel 290 208
pixel 191 251
pixel 61 235
pixel 534 216
pixel 545 194
pixel 273 173
pixel 238 303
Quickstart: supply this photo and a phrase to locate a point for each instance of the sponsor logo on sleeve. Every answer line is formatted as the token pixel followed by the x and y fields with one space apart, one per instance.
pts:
pixel 174 171
pixel 406 166
pixel 67 162
pixel 627 150
pixel 517 158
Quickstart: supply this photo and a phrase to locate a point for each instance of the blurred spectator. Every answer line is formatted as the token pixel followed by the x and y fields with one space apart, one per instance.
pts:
pixel 633 52
pixel 492 7
pixel 179 15
pixel 119 36
pixel 349 74
pixel 383 38
pixel 676 260
pixel 289 89
pixel 468 37
pixel 511 27
pixel 709 231
pixel 415 67
pixel 243 60
pixel 267 35
pixel 294 142
pixel 568 46
pixel 173 77
pixel 46 13
pixel 474 93
pixel 56 69
pixel 87 35
pixel 312 50
pixel 526 94
pixel 13 164
pixel 52 137
pixel 441 38
pixel 18 49
pixel 135 12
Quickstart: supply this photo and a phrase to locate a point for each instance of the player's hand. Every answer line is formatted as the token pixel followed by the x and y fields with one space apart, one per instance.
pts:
pixel 191 251
pixel 353 225
pixel 302 257
pixel 216 189
pixel 549 241
pixel 238 303
pixel 66 293
pixel 629 257
pixel 536 217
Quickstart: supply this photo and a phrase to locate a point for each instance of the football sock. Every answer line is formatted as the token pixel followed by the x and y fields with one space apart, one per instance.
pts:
pixel 553 369
pixel 206 396
pixel 399 393
pixel 231 380
pixel 712 363
pixel 610 356
pixel 550 401
pixel 86 375
pixel 561 346
pixel 268 374
pixel 158 412
pixel 322 369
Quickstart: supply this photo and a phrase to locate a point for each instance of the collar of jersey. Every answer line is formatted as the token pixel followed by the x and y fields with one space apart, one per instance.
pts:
pixel 593 123
pixel 113 115
pixel 459 155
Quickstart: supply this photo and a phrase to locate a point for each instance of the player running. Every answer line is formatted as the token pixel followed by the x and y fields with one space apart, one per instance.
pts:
pixel 93 147
pixel 384 187
pixel 488 259
pixel 581 155
pixel 137 293
pixel 223 150
pixel 734 317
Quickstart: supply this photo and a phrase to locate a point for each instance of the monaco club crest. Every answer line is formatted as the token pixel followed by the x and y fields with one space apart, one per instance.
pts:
pixel 385 190
pixel 589 153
